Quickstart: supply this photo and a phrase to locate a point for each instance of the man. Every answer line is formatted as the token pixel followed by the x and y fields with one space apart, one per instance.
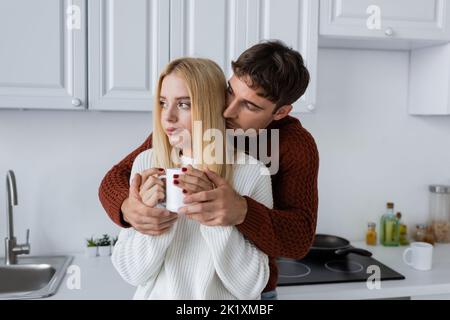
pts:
pixel 268 78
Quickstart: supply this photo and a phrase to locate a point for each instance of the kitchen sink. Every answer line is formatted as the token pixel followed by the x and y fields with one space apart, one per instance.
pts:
pixel 32 277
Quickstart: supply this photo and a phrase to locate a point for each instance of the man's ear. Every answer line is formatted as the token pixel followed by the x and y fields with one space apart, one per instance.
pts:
pixel 282 112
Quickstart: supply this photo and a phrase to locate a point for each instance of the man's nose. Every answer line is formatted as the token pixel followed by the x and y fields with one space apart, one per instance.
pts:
pixel 232 110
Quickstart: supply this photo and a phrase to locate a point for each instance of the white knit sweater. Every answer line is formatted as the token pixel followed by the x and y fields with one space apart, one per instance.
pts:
pixel 194 261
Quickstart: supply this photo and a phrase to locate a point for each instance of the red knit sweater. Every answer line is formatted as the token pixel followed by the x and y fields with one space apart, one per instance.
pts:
pixel 285 231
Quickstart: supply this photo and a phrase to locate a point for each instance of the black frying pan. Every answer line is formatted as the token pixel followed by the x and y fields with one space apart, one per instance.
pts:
pixel 328 245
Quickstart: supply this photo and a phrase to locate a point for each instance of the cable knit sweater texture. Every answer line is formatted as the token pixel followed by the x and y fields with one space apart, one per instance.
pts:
pixel 285 231
pixel 194 261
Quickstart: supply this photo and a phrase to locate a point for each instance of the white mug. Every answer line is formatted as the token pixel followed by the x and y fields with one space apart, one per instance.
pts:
pixel 174 194
pixel 421 256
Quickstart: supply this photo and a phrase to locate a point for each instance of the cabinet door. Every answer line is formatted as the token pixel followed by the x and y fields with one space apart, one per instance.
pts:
pixel 128 47
pixel 222 29
pixel 402 19
pixel 43 54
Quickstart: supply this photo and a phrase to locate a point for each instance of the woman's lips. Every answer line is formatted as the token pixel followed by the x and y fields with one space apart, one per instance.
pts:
pixel 171 131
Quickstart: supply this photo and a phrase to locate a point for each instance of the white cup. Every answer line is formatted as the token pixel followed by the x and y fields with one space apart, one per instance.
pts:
pixel 421 256
pixel 174 194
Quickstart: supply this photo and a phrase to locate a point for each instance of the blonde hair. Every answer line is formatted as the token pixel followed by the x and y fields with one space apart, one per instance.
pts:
pixel 206 85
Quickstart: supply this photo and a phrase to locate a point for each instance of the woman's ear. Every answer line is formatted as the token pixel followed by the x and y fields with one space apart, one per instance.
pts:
pixel 282 112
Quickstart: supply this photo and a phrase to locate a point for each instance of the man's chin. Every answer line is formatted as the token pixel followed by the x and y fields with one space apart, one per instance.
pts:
pixel 231 132
pixel 242 133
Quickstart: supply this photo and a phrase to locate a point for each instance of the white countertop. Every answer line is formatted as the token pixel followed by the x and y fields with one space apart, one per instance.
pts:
pixel 99 280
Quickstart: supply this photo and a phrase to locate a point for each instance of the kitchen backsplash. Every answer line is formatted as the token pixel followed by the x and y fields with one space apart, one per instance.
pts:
pixel 371 152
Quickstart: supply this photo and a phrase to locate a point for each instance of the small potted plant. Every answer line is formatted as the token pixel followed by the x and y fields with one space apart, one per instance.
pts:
pixel 113 242
pixel 104 246
pixel 91 247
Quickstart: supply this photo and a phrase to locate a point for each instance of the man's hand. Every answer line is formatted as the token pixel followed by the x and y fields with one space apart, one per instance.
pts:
pixel 145 219
pixel 219 207
pixel 193 181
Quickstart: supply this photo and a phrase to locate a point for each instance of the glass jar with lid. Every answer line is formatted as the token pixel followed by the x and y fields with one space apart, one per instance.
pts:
pixel 440 212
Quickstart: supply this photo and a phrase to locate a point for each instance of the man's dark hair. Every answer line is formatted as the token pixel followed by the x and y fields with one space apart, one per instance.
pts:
pixel 276 69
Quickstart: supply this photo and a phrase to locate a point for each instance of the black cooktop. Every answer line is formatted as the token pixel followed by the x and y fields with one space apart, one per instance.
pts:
pixel 335 269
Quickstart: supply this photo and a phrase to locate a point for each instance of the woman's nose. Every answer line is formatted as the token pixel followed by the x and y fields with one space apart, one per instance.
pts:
pixel 171 114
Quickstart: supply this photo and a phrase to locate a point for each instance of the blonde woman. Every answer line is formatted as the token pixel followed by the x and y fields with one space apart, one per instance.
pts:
pixel 192 260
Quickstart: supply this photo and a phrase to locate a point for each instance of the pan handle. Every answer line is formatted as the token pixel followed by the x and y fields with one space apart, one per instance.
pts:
pixel 361 252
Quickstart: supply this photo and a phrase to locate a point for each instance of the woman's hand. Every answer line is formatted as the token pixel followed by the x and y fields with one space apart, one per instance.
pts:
pixel 152 189
pixel 145 219
pixel 193 180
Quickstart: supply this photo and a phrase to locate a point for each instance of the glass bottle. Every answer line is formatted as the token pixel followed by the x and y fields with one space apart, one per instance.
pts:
pixel 421 232
pixel 389 227
pixel 424 233
pixel 403 231
pixel 371 234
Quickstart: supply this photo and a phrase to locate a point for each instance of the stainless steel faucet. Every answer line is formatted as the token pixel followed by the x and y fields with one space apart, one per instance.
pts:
pixel 12 249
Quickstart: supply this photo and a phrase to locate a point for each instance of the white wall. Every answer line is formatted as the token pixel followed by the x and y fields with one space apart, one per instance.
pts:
pixel 59 159
pixel 371 152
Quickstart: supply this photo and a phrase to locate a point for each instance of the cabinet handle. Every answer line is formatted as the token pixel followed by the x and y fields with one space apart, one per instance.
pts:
pixel 389 32
pixel 76 102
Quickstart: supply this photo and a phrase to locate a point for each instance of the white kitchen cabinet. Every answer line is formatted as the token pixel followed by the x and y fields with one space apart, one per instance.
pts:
pixel 43 54
pixel 128 47
pixel 222 29
pixel 429 84
pixel 113 59
pixel 425 21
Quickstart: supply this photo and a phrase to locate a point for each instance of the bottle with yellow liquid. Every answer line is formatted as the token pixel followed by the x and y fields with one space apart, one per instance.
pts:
pixel 389 228
pixel 403 240
pixel 371 234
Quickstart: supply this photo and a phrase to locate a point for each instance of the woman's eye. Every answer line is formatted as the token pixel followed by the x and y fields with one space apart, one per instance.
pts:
pixel 184 106
pixel 163 104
